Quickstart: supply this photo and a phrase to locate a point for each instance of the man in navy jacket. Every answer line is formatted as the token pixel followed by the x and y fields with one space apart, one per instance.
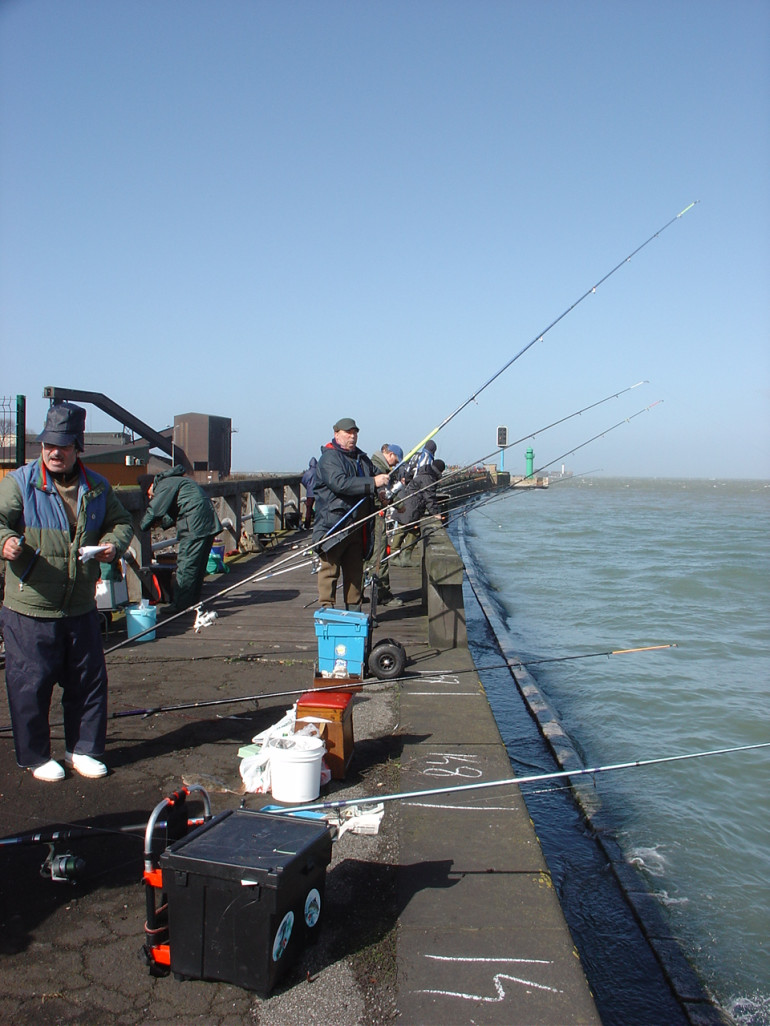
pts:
pixel 345 489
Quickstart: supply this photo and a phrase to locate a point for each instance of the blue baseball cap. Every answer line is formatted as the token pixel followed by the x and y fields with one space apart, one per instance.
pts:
pixel 397 451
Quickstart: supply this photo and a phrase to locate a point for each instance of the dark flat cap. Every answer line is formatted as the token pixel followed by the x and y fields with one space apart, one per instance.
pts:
pixel 346 424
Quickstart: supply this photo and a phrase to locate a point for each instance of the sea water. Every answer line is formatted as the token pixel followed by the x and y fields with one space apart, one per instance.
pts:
pixel 595 565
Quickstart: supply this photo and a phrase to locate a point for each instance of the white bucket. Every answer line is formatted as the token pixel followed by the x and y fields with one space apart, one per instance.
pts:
pixel 140 618
pixel 295 767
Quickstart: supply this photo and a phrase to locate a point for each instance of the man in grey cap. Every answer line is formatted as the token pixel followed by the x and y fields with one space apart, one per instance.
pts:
pixel 345 491
pixel 49 510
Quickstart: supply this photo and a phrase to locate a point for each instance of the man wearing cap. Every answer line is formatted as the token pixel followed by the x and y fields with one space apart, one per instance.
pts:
pixel 49 510
pixel 389 456
pixel 345 492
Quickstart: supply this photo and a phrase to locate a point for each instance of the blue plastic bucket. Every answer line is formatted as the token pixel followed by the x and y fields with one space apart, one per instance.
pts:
pixel 138 619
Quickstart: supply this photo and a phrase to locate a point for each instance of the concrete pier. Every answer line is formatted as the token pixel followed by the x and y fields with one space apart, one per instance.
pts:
pixel 447 916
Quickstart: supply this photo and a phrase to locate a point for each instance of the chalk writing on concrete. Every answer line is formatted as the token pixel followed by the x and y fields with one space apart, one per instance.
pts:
pixel 497 980
pixel 446 764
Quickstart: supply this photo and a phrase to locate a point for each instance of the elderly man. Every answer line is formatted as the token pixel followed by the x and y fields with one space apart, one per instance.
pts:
pixel 345 491
pixel 50 510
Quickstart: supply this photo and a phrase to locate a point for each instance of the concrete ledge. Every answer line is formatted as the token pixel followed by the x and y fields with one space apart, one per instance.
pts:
pixel 442 588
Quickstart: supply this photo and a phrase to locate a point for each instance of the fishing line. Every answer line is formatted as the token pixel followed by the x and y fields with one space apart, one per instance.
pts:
pixel 538 338
pixel 518 781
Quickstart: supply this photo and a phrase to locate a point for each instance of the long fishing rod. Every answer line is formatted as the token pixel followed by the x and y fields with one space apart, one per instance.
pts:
pixel 447 477
pixel 478 391
pixel 518 781
pixel 533 434
pixel 551 484
pixel 538 338
pixel 409 678
pixel 511 664
pixel 520 487
pixel 592 655
pixel 563 420
pixel 273 571
pixel 74 833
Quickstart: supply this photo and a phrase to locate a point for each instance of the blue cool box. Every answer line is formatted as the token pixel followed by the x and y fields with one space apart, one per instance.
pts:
pixel 341 634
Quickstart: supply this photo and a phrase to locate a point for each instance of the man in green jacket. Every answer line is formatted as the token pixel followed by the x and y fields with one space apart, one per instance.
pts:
pixel 176 499
pixel 58 521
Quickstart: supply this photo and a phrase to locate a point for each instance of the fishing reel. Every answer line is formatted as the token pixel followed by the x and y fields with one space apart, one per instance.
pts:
pixel 64 868
pixel 204 619
pixel 394 489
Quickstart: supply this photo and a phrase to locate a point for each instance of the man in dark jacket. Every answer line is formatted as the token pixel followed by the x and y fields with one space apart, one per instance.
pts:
pixel 419 500
pixel 58 521
pixel 176 499
pixel 345 489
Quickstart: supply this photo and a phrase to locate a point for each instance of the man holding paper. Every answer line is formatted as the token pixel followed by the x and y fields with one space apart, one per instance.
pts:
pixel 53 513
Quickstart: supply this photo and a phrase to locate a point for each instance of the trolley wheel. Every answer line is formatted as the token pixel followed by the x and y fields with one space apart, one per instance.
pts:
pixel 387 660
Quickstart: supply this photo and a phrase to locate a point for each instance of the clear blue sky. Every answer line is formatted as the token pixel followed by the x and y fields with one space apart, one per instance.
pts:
pixel 288 212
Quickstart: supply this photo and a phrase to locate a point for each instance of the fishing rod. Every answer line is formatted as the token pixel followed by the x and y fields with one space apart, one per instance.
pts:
pixel 448 477
pixel 511 665
pixel 518 781
pixel 532 434
pixel 551 484
pixel 472 506
pixel 538 338
pixel 521 486
pixel 563 420
pixel 266 573
pixel 466 402
pixel 408 678
pixel 261 575
pixel 593 655
pixel 74 833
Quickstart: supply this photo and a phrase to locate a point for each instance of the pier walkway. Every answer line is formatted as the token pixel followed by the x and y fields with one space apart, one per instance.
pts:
pixel 446 916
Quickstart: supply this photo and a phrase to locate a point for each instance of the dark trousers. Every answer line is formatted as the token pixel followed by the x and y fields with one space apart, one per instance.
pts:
pixel 379 562
pixel 191 565
pixel 40 653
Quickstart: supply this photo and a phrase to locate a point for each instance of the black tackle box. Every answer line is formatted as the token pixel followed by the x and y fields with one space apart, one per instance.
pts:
pixel 245 894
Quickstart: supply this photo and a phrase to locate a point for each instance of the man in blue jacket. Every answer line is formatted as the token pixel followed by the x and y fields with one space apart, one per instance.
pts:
pixel 49 511
pixel 345 489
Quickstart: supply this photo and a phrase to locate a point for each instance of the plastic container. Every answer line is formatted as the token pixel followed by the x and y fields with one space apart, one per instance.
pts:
pixel 245 894
pixel 295 768
pixel 218 550
pixel 139 618
pixel 342 635
pixel 265 519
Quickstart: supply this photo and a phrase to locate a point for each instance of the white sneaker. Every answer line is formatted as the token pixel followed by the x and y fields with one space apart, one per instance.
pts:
pixel 50 771
pixel 85 765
